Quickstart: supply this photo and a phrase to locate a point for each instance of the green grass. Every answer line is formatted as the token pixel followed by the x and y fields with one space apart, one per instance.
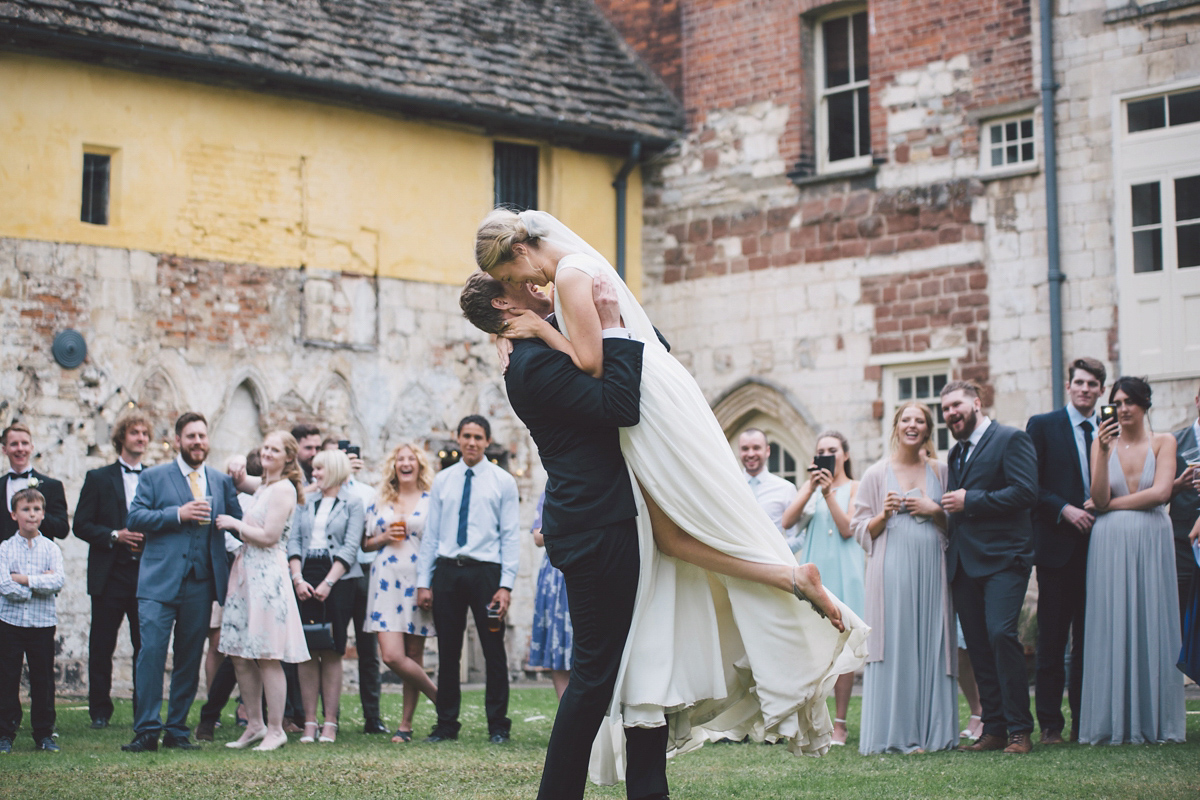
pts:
pixel 92 765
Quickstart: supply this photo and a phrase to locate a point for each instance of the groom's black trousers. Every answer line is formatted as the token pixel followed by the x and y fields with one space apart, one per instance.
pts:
pixel 600 568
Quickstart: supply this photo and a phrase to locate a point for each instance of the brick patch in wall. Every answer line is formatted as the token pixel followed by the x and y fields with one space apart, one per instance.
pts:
pixel 217 304
pixel 853 224
pixel 931 309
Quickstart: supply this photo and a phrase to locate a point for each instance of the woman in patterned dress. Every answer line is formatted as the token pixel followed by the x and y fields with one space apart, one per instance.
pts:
pixel 261 624
pixel 395 523
pixel 552 637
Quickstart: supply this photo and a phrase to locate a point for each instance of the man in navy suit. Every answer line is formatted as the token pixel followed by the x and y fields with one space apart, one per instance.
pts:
pixel 113 554
pixel 991 488
pixel 1185 506
pixel 1062 525
pixel 183 569
pixel 589 519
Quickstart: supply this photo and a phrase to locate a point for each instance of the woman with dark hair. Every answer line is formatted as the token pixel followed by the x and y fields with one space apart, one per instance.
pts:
pixel 1132 691
pixel 909 699
pixel 823 506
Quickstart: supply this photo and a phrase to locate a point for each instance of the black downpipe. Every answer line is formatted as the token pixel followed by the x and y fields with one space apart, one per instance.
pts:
pixel 1054 273
pixel 621 184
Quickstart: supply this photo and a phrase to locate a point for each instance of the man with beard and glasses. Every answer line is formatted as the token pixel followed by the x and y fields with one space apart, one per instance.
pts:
pixel 183 569
pixel 991 489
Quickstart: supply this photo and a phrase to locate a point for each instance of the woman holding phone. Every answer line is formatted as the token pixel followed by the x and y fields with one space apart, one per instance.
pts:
pixel 823 506
pixel 395 523
pixel 1132 691
pixel 910 702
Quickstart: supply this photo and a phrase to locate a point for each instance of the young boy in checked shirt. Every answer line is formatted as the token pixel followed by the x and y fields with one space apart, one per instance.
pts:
pixel 31 574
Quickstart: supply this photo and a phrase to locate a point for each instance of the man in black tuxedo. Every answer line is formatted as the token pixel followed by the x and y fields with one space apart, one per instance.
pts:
pixel 1062 525
pixel 1185 506
pixel 18 447
pixel 991 489
pixel 589 519
pixel 113 553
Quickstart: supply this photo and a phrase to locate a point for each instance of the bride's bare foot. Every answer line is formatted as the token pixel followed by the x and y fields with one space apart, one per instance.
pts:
pixel 806 585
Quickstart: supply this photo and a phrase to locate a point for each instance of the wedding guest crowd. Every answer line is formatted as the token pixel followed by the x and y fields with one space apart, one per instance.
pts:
pixel 929 553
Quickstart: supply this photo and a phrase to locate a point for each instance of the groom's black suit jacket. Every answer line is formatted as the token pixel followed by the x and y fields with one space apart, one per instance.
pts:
pixel 574 418
pixel 1060 482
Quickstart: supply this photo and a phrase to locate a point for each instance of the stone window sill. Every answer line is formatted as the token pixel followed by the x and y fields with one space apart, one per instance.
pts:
pixel 1135 11
pixel 830 177
pixel 1019 171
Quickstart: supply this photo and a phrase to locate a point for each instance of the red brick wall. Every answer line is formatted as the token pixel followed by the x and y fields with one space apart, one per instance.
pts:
pixel 909 307
pixel 654 29
pixel 838 225
pixel 221 304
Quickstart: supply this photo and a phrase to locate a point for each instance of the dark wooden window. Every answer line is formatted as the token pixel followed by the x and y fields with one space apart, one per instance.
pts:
pixel 95 188
pixel 516 174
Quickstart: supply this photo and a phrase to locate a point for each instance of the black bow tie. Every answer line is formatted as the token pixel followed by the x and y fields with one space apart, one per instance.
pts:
pixel 131 470
pixel 24 474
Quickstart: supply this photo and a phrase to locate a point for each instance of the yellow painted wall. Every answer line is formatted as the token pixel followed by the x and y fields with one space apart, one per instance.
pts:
pixel 230 175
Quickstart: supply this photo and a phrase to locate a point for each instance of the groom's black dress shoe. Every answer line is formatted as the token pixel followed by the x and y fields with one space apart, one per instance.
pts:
pixel 142 743
pixel 99 722
pixel 179 743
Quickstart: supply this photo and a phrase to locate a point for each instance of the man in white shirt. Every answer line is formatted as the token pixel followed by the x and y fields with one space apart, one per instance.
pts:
pixel 469 558
pixel 772 492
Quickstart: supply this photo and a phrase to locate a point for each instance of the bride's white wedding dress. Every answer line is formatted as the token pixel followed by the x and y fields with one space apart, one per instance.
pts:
pixel 708 655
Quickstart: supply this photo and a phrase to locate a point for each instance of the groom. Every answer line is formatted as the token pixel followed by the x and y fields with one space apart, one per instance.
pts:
pixel 589 519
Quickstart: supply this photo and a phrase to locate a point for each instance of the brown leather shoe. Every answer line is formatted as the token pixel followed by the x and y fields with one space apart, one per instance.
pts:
pixel 204 732
pixel 1052 737
pixel 1020 743
pixel 989 741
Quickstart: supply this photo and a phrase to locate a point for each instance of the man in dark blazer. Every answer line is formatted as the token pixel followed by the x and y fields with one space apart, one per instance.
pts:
pixel 18 447
pixel 113 553
pixel 990 491
pixel 1062 524
pixel 589 520
pixel 183 569
pixel 1185 506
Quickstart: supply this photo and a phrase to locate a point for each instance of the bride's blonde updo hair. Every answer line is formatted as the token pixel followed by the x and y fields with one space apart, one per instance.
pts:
pixel 497 234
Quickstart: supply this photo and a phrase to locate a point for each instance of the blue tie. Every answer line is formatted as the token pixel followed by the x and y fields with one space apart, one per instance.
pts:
pixel 464 507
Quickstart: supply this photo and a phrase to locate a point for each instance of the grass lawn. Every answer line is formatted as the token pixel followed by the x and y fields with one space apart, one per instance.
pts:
pixel 92 765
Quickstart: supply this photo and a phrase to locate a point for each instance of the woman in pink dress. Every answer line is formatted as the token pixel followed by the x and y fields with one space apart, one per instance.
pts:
pixel 261 625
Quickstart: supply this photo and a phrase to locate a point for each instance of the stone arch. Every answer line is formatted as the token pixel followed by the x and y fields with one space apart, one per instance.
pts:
pixel 336 407
pixel 238 427
pixel 756 403
pixel 157 393
pixel 415 416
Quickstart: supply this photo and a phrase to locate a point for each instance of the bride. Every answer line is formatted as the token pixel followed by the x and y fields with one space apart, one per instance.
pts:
pixel 719 645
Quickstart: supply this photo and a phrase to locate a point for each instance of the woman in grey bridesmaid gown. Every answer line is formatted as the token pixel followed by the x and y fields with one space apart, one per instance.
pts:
pixel 910 700
pixel 1132 691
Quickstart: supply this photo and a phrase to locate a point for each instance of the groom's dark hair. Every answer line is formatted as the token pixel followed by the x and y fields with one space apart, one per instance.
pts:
pixel 476 302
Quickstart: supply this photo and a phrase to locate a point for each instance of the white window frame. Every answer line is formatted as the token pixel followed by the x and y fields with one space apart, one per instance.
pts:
pixel 1158 312
pixel 824 165
pixel 892 373
pixel 986 146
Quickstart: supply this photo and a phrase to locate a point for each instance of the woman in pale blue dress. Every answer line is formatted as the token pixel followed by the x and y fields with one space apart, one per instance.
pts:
pixel 552 637
pixel 1132 690
pixel 822 507
pixel 910 703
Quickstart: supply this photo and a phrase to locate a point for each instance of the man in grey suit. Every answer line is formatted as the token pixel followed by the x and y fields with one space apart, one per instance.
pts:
pixel 183 569
pixel 991 489
pixel 1185 506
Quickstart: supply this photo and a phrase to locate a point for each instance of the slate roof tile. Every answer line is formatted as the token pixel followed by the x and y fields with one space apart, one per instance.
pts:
pixel 546 65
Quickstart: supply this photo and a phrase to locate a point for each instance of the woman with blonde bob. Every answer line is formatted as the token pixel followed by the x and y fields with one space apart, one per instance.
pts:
pixel 720 643
pixel 323 559
pixel 395 524
pixel 910 701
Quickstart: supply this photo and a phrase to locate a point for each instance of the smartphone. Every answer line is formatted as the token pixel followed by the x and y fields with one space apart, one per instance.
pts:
pixel 825 462
pixel 1107 413
pixel 353 450
pixel 343 444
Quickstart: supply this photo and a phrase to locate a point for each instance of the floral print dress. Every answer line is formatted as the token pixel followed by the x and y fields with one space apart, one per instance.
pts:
pixel 262 619
pixel 392 605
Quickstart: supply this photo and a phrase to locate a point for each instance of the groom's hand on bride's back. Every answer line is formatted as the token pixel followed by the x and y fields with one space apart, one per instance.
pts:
pixel 604 295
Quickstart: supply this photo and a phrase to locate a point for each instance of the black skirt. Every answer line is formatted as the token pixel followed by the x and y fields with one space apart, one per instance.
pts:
pixel 338 608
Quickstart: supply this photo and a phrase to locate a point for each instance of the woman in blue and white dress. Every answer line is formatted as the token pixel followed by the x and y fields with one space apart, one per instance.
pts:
pixel 551 640
pixel 395 524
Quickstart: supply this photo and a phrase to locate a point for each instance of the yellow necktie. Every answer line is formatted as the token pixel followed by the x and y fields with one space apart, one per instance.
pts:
pixel 194 480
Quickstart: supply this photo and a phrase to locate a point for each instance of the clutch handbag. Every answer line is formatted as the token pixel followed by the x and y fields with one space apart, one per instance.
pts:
pixel 319 635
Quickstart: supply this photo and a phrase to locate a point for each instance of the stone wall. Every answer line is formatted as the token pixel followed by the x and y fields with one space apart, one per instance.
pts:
pixel 254 349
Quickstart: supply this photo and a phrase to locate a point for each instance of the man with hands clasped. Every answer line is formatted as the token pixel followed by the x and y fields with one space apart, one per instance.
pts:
pixel 1062 525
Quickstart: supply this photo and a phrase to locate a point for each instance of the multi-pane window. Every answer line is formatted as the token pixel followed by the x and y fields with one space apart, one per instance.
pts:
pixel 1008 142
pixel 1149 224
pixel 1163 111
pixel 781 462
pixel 96 169
pixel 921 382
pixel 844 126
pixel 515 168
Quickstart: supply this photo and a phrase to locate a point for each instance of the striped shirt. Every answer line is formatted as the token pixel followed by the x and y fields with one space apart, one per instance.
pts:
pixel 39 558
